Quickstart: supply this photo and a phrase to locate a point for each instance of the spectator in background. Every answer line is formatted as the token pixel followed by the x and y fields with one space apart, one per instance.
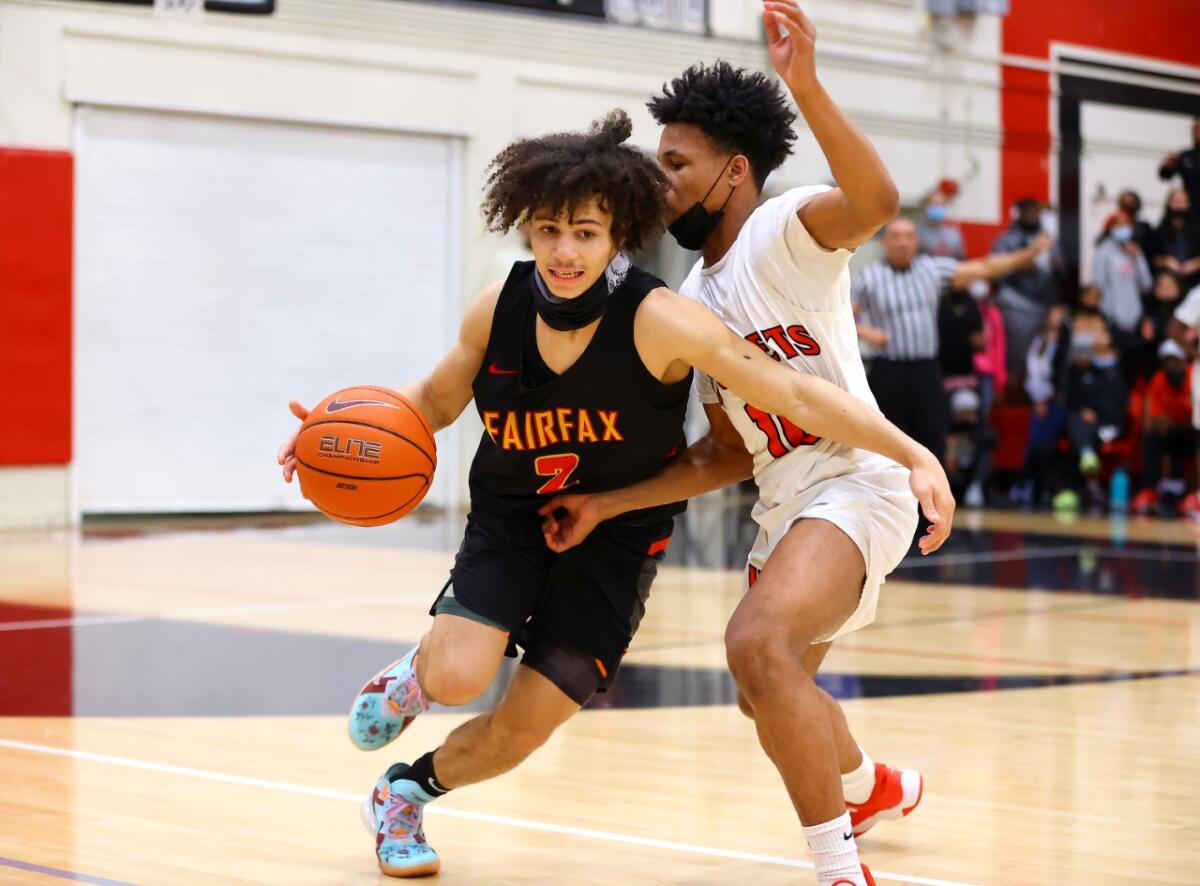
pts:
pixel 1095 396
pixel 1156 319
pixel 1043 369
pixel 1026 294
pixel 961 339
pixel 990 362
pixel 1168 434
pixel 1122 275
pixel 1130 203
pixel 897 303
pixel 1183 330
pixel 1177 240
pixel 939 237
pixel 1186 164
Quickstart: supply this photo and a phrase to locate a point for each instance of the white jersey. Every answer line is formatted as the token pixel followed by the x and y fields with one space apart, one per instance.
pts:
pixel 781 290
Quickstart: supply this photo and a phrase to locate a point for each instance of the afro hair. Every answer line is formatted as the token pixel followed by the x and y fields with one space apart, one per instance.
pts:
pixel 565 170
pixel 738 110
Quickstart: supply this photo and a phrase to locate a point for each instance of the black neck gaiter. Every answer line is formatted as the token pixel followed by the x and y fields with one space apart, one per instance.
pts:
pixel 567 314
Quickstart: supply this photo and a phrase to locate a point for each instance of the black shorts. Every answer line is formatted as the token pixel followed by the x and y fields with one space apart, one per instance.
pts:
pixel 588 600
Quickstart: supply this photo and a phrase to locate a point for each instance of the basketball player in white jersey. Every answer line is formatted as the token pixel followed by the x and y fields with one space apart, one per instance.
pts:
pixel 834 520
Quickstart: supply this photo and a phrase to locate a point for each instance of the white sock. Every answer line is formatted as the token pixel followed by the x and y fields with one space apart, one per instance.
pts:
pixel 857 786
pixel 835 852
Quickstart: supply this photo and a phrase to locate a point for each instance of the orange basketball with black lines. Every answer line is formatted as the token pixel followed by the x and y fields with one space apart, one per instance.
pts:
pixel 365 456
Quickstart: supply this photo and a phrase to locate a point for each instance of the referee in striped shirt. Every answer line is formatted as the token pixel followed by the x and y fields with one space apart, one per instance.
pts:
pixel 896 302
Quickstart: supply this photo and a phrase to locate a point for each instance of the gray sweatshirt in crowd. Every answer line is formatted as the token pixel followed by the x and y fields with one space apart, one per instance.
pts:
pixel 1122 278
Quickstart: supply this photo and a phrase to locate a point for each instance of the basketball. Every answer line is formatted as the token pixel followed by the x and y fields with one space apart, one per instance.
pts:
pixel 365 456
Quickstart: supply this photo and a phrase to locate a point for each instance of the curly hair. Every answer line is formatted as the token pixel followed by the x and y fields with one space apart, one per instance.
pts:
pixel 739 110
pixel 567 169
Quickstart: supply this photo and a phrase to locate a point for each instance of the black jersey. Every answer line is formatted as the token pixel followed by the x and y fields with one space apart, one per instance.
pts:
pixel 604 423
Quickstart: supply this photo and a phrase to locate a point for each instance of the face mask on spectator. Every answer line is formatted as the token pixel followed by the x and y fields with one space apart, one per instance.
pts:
pixel 1088 310
pixel 1104 361
pixel 1123 234
pixel 979 289
pixel 1175 377
pixel 936 214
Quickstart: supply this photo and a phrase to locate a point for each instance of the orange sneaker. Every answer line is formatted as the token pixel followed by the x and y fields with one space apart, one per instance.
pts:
pixel 897 793
pixel 1190 506
pixel 1144 501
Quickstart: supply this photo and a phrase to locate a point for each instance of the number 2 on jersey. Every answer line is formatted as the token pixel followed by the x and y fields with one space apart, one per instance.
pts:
pixel 771 425
pixel 558 468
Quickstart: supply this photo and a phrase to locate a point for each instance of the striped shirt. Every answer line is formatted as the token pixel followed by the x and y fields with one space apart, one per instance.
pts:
pixel 904 304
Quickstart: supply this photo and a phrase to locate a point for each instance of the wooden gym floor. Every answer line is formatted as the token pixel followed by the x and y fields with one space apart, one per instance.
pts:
pixel 172 700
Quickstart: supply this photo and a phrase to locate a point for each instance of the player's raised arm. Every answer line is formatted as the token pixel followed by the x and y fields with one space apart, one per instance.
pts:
pixel 866 197
pixel 692 334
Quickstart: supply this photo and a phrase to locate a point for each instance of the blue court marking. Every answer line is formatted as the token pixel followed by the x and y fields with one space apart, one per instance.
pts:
pixel 65 875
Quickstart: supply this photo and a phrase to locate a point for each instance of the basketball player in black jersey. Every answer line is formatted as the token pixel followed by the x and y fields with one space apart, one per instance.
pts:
pixel 579 365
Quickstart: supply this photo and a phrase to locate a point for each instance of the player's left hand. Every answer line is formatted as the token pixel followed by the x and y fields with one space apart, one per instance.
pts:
pixel 568 520
pixel 287 452
pixel 931 486
pixel 793 52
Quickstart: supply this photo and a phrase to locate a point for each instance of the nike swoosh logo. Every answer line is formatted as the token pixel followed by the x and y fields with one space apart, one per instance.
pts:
pixel 848 836
pixel 339 405
pixel 495 369
pixel 432 785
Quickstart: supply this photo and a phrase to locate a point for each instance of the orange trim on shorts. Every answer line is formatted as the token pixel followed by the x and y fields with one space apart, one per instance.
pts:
pixel 603 669
pixel 659 546
pixel 752 574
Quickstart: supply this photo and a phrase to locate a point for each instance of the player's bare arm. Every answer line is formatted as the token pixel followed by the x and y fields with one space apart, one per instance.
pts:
pixel 866 198
pixel 715 461
pixel 674 332
pixel 445 392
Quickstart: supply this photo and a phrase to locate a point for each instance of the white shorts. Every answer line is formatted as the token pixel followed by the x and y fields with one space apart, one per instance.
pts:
pixel 874 507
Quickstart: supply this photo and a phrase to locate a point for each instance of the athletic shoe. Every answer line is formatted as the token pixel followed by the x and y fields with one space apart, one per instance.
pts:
pixel 394 814
pixel 897 793
pixel 1089 462
pixel 1144 502
pixel 387 704
pixel 974 497
pixel 1066 501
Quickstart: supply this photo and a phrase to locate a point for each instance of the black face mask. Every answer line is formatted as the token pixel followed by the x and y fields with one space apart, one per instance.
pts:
pixel 1175 377
pixel 692 229
pixel 566 314
pixel 1030 227
pixel 1088 310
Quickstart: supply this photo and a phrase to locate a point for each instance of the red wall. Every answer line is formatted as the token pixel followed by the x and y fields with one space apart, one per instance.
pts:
pixel 1158 29
pixel 35 307
pixel 1166 30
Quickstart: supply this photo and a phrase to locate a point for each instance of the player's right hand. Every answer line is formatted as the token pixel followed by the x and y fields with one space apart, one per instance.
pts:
pixel 287 452
pixel 931 486
pixel 568 520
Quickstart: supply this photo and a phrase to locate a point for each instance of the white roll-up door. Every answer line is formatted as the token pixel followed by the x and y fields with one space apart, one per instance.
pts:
pixel 224 266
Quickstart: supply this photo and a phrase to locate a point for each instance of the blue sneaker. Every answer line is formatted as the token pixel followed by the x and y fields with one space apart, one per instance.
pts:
pixel 386 705
pixel 394 813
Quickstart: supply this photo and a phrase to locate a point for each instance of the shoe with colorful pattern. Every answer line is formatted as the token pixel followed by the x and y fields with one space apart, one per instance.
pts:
pixel 897 793
pixel 387 704
pixel 394 814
